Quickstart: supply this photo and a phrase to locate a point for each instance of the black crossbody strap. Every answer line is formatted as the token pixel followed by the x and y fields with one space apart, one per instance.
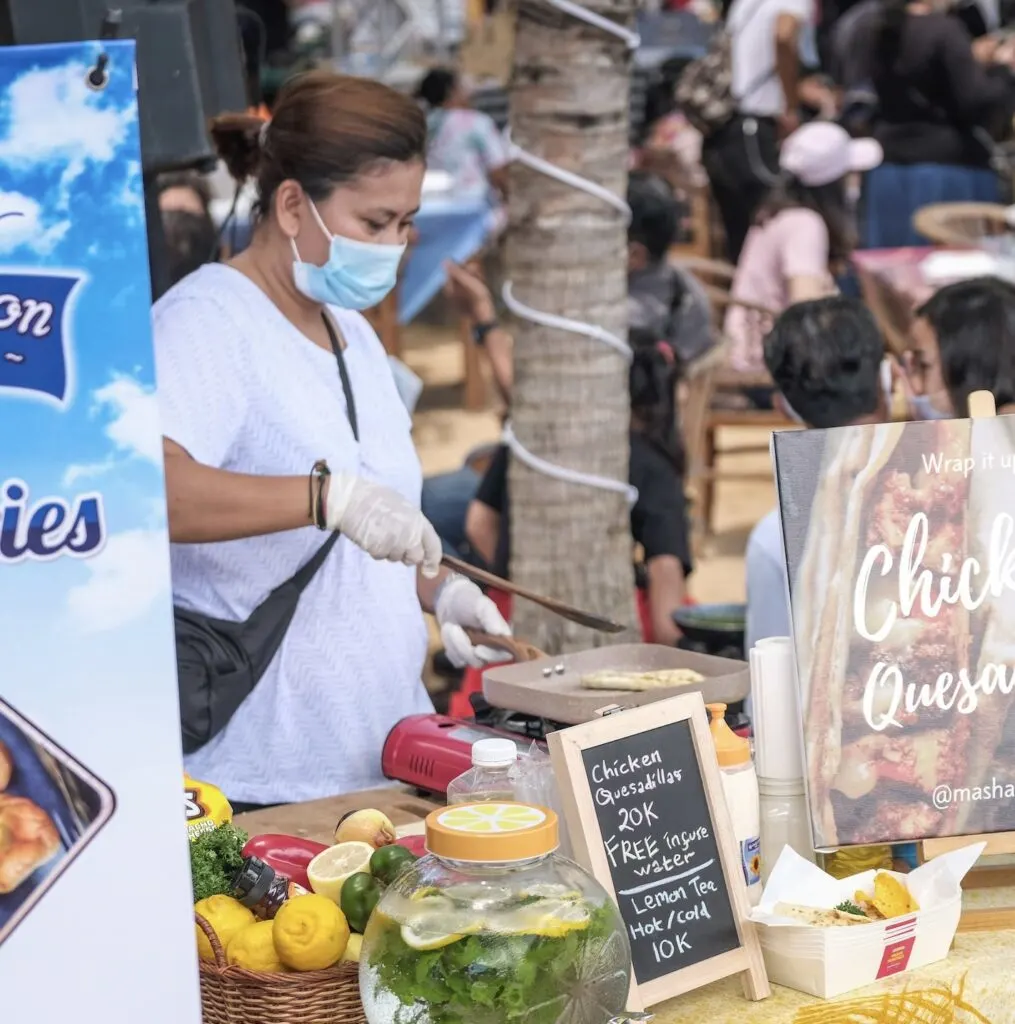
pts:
pixel 307 572
pixel 343 372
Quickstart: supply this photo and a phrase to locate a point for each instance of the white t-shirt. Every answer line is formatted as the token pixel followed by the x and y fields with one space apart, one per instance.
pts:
pixel 751 26
pixel 241 389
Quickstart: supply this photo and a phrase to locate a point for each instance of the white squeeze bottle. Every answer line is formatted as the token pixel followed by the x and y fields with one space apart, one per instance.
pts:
pixel 740 787
pixel 491 777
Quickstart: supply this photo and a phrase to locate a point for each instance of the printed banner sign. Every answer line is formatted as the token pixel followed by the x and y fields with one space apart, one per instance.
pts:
pixel 95 915
pixel 900 543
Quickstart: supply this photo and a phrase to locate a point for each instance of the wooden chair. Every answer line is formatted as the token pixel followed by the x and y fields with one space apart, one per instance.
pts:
pixel 694 402
pixel 727 404
pixel 962 224
pixel 891 311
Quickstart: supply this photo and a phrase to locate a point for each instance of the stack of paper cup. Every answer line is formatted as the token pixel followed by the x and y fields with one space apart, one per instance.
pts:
pixel 775 704
pixel 778 752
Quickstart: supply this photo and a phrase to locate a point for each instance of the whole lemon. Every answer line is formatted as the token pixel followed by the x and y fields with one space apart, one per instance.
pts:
pixel 253 948
pixel 226 917
pixel 310 933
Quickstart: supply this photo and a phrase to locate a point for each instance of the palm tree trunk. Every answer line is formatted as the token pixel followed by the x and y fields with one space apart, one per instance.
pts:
pixel 567 255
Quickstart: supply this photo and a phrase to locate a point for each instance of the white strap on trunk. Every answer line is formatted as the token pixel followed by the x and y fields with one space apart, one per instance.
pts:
pixel 593 331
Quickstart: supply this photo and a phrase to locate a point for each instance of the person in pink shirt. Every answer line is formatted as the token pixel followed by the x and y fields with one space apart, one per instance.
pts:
pixel 802 235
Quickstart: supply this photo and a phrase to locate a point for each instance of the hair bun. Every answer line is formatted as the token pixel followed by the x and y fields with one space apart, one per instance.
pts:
pixel 238 141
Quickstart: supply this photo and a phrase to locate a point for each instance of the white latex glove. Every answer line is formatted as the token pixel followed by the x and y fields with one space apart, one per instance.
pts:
pixel 460 604
pixel 382 523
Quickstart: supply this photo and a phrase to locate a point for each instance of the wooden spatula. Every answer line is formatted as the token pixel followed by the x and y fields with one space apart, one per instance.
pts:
pixel 565 611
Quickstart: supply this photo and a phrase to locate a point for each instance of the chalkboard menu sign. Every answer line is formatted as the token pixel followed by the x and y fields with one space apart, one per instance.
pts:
pixel 644 806
pixel 662 850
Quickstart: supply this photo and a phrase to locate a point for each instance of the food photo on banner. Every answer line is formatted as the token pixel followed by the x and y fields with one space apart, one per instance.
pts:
pixel 900 543
pixel 94 876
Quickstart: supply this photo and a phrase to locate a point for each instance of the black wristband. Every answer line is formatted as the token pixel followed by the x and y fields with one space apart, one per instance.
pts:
pixel 480 331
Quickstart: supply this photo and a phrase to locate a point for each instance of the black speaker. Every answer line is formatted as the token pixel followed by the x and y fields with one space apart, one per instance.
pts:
pixel 189 64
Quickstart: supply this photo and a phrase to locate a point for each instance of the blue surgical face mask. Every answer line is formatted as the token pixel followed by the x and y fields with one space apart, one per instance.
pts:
pixel 920 408
pixel 357 275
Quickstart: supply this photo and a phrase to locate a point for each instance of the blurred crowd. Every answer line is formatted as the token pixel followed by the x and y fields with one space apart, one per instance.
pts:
pixel 815 129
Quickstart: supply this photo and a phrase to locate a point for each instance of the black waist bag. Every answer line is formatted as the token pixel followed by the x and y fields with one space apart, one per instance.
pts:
pixel 218 661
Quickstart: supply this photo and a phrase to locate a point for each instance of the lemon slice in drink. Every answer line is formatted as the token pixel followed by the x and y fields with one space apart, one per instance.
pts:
pixel 548 919
pixel 436 923
pixel 416 937
pixel 330 868
pixel 480 818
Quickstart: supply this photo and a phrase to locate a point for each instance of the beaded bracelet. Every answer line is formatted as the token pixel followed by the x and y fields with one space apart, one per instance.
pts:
pixel 319 473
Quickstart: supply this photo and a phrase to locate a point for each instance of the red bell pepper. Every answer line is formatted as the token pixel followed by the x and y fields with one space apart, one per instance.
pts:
pixel 288 855
pixel 415 844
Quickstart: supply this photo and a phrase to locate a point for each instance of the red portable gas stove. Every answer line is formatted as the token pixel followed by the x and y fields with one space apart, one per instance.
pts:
pixel 428 751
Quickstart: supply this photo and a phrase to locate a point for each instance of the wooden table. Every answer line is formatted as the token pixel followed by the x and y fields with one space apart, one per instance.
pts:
pixel 975 985
pixel 317 819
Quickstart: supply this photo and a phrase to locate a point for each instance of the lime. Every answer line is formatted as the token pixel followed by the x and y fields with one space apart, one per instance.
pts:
pixel 360 895
pixel 389 862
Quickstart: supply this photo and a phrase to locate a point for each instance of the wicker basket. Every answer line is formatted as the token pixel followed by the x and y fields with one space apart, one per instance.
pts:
pixel 233 995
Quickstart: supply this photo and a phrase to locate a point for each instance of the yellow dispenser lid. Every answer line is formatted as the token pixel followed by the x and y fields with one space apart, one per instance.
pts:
pixel 730 748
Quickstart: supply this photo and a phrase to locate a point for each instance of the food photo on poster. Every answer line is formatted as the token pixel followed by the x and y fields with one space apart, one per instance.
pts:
pixel 51 806
pixel 903 599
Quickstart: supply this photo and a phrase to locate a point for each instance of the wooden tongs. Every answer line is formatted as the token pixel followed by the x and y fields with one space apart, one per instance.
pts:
pixel 565 611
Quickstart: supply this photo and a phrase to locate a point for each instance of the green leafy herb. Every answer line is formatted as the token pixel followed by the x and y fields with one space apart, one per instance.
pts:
pixel 491 978
pixel 849 907
pixel 215 857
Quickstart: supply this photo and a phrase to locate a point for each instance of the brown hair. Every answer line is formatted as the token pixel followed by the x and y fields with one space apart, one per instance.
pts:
pixel 325 129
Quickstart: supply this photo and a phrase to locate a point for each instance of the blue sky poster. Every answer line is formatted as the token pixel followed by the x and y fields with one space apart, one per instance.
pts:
pixel 89 727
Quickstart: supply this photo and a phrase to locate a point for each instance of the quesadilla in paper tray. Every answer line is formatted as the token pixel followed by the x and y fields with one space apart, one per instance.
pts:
pixel 897 746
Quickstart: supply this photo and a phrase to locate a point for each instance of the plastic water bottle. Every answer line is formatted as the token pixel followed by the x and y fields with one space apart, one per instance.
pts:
pixel 740 787
pixel 491 778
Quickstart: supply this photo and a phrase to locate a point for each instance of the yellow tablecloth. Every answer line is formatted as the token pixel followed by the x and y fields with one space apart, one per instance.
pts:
pixel 974 985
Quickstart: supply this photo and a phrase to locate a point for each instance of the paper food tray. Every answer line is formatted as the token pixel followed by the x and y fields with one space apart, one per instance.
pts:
pixel 829 962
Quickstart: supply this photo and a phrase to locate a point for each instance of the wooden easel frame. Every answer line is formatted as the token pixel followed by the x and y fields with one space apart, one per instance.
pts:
pixel 981 406
pixel 566 749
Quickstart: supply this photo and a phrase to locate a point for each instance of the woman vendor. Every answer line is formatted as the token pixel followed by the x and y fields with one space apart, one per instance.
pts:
pixel 255 358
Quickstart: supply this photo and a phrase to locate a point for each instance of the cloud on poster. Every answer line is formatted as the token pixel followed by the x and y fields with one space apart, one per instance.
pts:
pixel 130 412
pixel 125 581
pixel 80 126
pixel 22 226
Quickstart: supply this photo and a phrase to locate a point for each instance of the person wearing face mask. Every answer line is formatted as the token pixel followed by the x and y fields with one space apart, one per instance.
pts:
pixel 962 340
pixel 283 426
pixel 190 233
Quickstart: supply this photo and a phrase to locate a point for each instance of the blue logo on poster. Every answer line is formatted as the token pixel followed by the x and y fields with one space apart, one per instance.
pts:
pixel 33 335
